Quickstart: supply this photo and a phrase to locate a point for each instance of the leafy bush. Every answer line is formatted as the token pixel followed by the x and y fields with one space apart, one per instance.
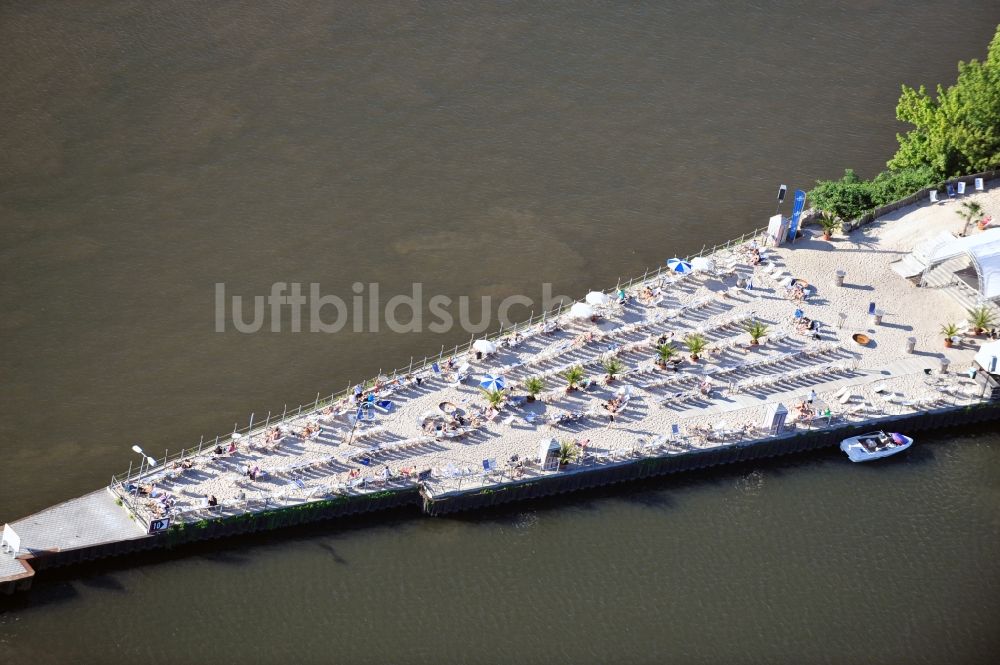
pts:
pixel 846 198
pixel 890 186
pixel 850 197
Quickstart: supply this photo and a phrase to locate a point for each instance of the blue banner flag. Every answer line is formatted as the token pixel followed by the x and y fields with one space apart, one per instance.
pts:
pixel 797 207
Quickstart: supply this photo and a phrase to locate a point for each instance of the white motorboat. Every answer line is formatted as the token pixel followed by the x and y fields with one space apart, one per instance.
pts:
pixel 874 445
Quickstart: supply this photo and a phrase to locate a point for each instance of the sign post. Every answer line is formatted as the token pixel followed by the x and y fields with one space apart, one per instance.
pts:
pixel 157 526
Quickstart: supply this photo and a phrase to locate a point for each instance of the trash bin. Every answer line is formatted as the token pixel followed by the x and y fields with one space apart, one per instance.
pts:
pixel 877 317
pixel 838 280
pixel 911 342
pixel 944 365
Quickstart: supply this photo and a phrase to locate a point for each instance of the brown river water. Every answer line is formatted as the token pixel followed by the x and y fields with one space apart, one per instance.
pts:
pixel 149 151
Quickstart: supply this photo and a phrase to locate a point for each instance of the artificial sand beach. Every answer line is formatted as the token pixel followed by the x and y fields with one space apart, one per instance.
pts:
pixel 721 398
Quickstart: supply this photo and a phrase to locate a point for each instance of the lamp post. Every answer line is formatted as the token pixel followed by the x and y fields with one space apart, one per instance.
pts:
pixel 781 197
pixel 144 460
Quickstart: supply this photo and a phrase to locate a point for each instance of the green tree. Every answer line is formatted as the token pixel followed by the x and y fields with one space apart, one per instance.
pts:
pixel 534 385
pixel 664 352
pixel 969 211
pixel 568 452
pixel 958 131
pixel 495 398
pixel 830 223
pixel 756 330
pixel 696 344
pixel 573 375
pixel 612 367
pixel 981 318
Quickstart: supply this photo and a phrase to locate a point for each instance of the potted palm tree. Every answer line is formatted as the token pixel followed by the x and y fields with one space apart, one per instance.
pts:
pixel 695 344
pixel 574 375
pixel 949 330
pixel 533 386
pixel 612 366
pixel 969 211
pixel 495 398
pixel 664 352
pixel 981 318
pixel 756 330
pixel 830 223
pixel 568 452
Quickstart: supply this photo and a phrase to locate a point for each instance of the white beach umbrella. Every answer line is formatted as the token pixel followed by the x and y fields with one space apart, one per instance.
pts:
pixel 703 263
pixel 597 298
pixel 484 346
pixel 581 310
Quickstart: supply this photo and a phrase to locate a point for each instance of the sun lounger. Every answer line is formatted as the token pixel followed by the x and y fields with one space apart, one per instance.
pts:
pixel 979 185
pixel 951 190
pixel 961 189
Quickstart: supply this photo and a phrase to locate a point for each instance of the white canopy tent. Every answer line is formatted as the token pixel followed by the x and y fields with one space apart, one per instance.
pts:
pixel 983 250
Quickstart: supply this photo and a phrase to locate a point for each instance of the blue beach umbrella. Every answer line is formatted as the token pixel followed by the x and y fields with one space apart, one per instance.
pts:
pixel 679 265
pixel 491 383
